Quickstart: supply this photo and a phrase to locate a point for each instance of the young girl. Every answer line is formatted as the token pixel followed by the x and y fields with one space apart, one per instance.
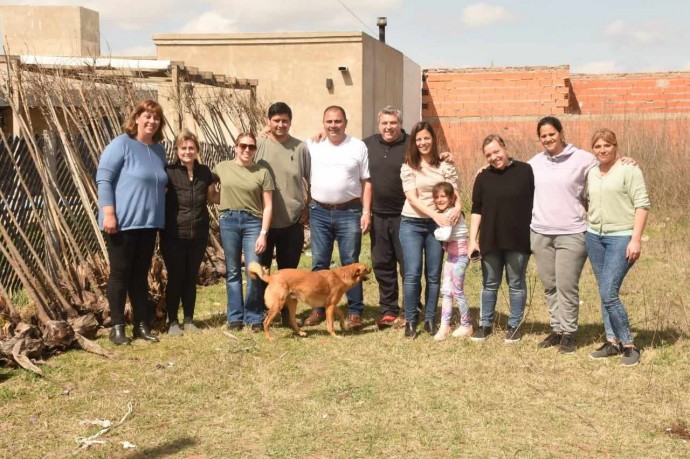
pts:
pixel 454 240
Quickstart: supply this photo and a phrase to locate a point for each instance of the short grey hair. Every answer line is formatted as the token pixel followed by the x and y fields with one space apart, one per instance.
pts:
pixel 390 110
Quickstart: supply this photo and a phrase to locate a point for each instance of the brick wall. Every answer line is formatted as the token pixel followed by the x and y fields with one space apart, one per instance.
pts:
pixel 495 92
pixel 468 104
pixel 632 93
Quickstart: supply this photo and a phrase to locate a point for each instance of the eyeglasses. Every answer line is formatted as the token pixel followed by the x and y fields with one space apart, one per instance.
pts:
pixel 246 146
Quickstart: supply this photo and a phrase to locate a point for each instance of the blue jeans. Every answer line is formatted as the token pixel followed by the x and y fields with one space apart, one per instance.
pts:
pixel 342 226
pixel 607 256
pixel 515 264
pixel 239 231
pixel 419 244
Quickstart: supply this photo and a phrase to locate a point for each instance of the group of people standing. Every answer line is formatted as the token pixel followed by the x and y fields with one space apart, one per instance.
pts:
pixel 399 187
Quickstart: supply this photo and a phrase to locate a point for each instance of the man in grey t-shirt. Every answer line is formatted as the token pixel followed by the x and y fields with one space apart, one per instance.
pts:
pixel 287 158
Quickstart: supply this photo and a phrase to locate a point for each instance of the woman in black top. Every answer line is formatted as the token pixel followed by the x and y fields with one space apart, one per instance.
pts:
pixel 185 238
pixel 501 214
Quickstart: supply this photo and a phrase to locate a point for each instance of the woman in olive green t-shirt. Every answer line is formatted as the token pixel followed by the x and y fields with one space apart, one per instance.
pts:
pixel 245 207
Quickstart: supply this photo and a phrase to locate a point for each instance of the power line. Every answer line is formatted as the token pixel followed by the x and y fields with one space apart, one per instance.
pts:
pixel 355 16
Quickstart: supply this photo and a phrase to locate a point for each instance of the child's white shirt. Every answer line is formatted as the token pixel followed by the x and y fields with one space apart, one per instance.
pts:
pixel 452 233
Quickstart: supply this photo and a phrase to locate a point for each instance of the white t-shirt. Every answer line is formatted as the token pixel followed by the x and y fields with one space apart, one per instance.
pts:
pixel 337 171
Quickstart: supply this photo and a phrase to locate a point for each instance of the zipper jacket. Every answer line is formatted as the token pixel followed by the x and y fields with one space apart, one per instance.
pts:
pixel 186 208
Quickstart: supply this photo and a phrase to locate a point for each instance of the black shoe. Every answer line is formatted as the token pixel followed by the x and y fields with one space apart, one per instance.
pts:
pixel 430 327
pixel 118 336
pixel 631 356
pixel 554 339
pixel 608 349
pixel 235 325
pixel 410 330
pixel 143 331
pixel 567 345
pixel 481 333
pixel 256 328
pixel 513 335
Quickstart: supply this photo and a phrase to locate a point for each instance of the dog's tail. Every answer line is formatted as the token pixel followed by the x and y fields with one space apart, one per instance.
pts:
pixel 256 271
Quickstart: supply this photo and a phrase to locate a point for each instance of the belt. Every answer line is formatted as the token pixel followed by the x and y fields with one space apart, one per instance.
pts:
pixel 342 205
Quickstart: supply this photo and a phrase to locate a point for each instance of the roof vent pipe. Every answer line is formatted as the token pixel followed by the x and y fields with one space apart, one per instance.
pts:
pixel 382 22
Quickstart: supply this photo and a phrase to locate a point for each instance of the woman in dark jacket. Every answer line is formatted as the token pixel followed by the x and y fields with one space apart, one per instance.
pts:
pixel 185 238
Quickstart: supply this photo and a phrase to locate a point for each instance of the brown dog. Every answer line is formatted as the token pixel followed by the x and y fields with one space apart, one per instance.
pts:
pixel 316 288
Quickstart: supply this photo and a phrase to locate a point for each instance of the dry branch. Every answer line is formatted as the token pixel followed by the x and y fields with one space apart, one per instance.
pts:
pixel 51 248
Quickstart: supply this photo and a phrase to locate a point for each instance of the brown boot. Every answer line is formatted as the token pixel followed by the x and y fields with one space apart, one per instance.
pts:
pixel 315 318
pixel 354 322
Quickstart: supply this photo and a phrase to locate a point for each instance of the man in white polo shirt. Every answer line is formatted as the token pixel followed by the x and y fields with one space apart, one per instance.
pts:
pixel 340 209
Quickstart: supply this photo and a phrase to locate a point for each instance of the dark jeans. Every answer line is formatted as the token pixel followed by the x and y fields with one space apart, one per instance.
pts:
pixel 386 255
pixel 288 243
pixel 341 226
pixel 130 253
pixel 515 266
pixel 182 260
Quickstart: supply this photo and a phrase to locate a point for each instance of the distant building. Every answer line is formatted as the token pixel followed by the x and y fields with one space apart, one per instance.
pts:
pixel 310 71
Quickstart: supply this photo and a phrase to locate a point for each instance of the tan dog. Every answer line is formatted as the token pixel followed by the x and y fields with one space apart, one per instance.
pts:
pixel 316 288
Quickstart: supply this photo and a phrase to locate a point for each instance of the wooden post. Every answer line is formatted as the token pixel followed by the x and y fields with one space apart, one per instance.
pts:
pixel 16 95
pixel 50 152
pixel 177 95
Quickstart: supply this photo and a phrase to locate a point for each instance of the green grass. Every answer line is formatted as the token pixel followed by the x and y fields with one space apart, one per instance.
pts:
pixel 376 394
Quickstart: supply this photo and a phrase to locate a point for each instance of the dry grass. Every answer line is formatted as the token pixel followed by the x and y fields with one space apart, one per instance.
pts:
pixel 375 394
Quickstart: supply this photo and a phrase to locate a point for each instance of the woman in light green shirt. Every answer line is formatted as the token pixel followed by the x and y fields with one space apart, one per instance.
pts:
pixel 617 214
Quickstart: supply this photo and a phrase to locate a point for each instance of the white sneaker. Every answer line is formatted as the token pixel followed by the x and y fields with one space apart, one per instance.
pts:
pixel 442 333
pixel 463 331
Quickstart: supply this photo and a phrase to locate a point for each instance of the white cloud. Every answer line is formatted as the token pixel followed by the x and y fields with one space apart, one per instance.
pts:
pixel 599 67
pixel 127 14
pixel 615 28
pixel 209 22
pixel 483 14
pixel 650 33
pixel 304 15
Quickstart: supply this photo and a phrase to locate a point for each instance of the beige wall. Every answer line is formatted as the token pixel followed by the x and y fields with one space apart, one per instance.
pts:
pixel 50 30
pixel 383 81
pixel 412 93
pixel 294 67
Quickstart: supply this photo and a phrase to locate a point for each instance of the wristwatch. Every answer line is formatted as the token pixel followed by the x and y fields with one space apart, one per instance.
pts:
pixel 263 232
pixel 366 212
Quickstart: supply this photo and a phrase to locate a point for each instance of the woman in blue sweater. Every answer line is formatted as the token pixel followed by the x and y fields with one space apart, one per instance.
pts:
pixel 131 182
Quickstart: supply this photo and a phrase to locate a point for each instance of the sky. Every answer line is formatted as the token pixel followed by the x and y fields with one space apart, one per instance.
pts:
pixel 604 36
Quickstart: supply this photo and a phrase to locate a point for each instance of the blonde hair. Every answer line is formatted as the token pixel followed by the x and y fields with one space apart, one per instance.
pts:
pixel 184 135
pixel 607 135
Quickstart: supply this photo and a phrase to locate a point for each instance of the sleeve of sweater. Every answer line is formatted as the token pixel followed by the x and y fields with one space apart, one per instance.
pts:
pixel 408 178
pixel 637 190
pixel 109 167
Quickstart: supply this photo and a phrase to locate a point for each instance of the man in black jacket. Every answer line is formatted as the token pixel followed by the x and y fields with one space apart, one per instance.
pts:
pixel 386 155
